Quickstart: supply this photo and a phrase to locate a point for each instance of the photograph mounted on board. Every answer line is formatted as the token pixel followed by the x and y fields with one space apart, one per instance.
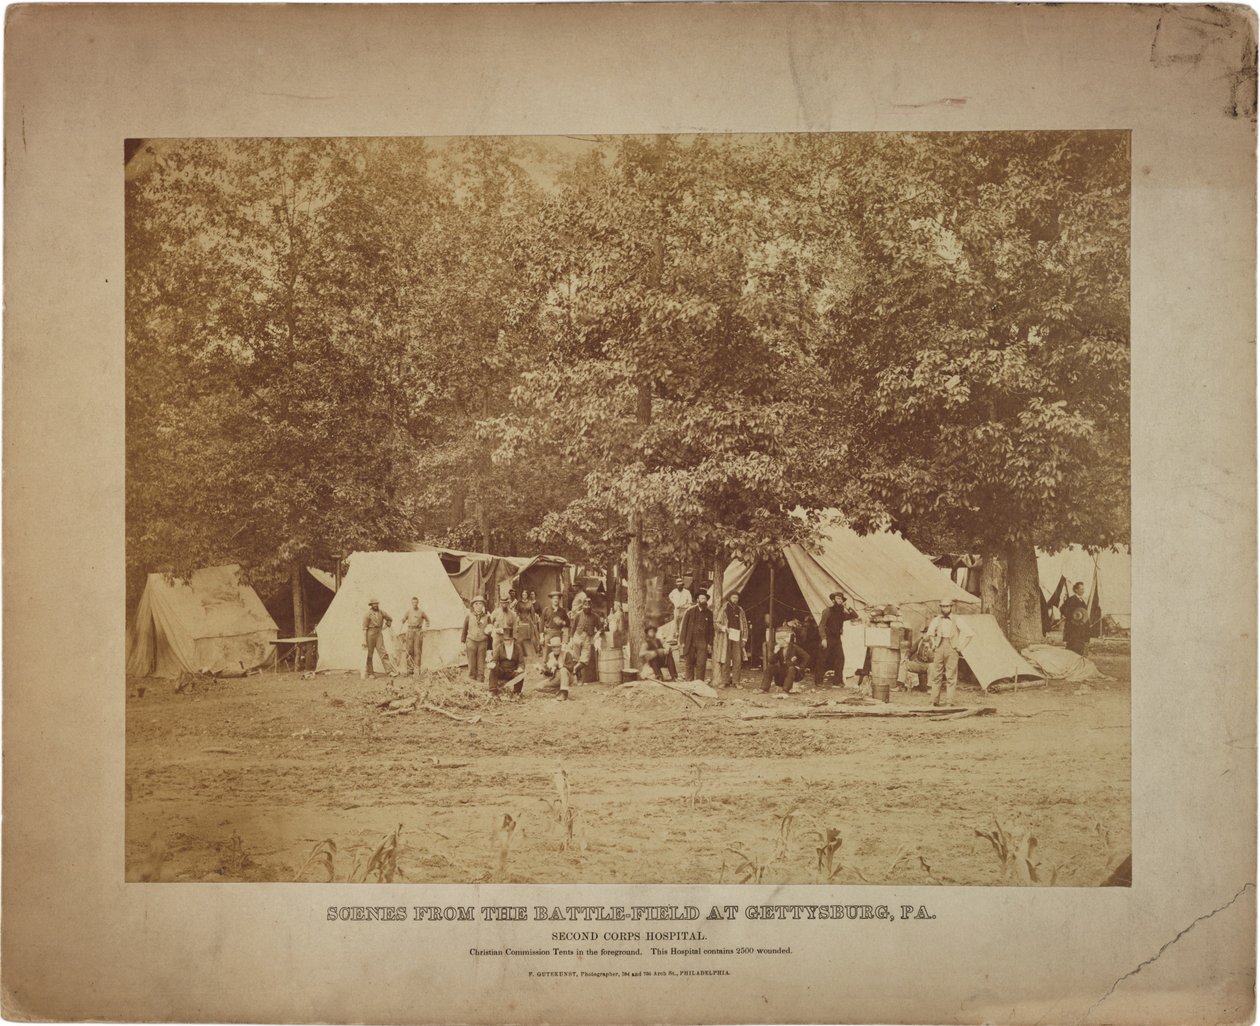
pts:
pixel 684 509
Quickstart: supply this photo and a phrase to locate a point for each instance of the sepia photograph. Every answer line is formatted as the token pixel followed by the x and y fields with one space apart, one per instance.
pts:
pixel 656 509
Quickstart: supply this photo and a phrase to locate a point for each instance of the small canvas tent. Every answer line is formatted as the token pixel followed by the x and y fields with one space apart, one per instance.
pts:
pixel 1104 574
pixel 393 578
pixel 876 569
pixel 210 623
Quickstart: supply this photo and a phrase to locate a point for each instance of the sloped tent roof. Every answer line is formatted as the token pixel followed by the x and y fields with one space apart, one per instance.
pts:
pixel 393 578
pixel 323 577
pixel 1106 576
pixel 880 569
pixel 210 623
pixel 489 576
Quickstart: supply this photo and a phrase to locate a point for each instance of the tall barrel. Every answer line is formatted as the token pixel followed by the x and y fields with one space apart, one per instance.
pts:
pixel 885 662
pixel 610 660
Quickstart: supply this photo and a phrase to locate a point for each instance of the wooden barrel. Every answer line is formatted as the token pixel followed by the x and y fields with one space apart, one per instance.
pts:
pixel 885 662
pixel 610 660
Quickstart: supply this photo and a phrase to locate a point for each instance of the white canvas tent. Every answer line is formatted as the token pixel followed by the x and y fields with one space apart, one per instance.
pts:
pixel 1105 576
pixel 211 623
pixel 393 578
pixel 877 569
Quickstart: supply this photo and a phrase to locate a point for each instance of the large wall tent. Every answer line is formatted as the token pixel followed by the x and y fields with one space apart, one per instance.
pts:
pixel 1105 576
pixel 392 578
pixel 210 623
pixel 877 569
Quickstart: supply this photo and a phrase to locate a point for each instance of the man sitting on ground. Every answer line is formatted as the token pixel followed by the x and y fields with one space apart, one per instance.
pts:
pixel 656 657
pixel 788 663
pixel 507 664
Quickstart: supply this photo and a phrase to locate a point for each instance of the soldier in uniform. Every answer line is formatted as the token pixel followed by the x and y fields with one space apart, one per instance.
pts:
pixel 374 623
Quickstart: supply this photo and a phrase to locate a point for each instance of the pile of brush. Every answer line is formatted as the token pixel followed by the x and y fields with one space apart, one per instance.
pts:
pixel 450 688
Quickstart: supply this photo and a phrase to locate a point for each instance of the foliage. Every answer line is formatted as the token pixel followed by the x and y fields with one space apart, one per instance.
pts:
pixel 358 343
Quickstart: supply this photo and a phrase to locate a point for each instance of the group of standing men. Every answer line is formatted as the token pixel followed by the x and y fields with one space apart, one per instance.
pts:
pixel 725 635
pixel 410 649
pixel 498 643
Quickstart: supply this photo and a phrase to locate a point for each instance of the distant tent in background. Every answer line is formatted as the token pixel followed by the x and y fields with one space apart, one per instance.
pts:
pixel 543 574
pixel 963 570
pixel 211 623
pixel 1106 579
pixel 393 578
pixel 317 591
pixel 479 573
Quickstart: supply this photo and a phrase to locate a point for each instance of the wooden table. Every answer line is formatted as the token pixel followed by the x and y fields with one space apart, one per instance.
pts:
pixel 296 651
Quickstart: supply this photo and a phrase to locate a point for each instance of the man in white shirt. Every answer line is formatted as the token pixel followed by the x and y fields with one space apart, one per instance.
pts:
pixel 948 637
pixel 680 599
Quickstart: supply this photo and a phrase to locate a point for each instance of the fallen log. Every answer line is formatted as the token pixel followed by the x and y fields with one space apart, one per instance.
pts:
pixel 681 691
pixel 451 715
pixel 986 710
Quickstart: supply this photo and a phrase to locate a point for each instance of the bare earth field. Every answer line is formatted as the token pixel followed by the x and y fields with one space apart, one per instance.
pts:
pixel 241 779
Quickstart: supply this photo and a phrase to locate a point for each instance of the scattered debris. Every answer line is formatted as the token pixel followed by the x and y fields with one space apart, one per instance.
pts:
pixel 450 715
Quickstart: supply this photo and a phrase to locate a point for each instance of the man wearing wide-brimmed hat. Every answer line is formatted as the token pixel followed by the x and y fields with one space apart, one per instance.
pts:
pixel 374 623
pixel 831 633
pixel 474 638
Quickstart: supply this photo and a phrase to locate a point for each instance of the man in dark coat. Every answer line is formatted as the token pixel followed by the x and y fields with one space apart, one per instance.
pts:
pixel 830 631
pixel 695 637
pixel 788 663
pixel 506 662
pixel 1076 620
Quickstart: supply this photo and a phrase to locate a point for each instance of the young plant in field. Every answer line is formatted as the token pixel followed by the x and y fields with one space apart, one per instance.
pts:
pixel 383 862
pixel 151 867
pixel 501 837
pixel 562 812
pixel 1014 851
pixel 908 856
pixel 321 857
pixel 749 869
pixel 697 785
pixel 235 860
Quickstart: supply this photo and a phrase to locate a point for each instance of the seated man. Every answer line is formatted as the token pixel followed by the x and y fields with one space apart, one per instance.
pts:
pixel 558 666
pixel 656 657
pixel 788 664
pixel 507 664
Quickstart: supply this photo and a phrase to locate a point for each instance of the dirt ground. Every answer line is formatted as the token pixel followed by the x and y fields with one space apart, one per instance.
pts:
pixel 243 779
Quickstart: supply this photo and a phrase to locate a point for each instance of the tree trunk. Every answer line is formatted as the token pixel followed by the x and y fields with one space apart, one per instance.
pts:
pixel 636 571
pixel 1024 622
pixel 636 577
pixel 299 599
pixel 993 593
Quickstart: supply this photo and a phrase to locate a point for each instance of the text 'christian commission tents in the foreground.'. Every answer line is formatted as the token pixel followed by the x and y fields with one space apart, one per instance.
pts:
pixel 211 623
pixel 874 570
pixel 393 578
